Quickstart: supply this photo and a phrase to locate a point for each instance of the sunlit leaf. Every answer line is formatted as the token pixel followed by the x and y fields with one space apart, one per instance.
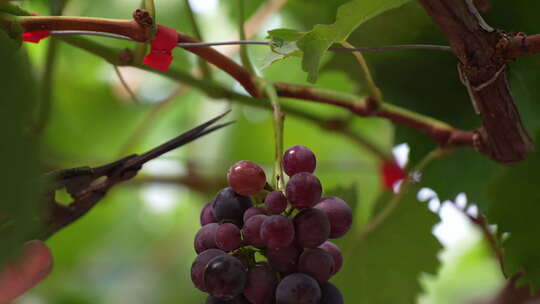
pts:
pixel 349 17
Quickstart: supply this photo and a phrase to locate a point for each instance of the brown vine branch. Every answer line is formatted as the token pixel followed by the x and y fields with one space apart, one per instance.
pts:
pixel 443 134
pixel 483 53
pixel 86 187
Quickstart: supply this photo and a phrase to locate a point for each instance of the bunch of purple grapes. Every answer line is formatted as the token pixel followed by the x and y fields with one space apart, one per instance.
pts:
pixel 262 246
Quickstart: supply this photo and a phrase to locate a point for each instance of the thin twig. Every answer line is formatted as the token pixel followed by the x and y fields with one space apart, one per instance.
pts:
pixel 126 85
pixel 426 47
pixel 257 20
pixel 371 86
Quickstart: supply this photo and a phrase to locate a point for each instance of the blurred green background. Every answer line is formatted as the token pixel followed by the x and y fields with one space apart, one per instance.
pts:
pixel 136 246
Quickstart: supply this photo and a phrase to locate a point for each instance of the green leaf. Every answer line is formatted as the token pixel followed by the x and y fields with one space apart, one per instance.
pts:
pixel 279 52
pixel 349 17
pixel 385 266
pixel 283 46
pixel 19 176
pixel 284 34
pixel 447 177
pixel 515 206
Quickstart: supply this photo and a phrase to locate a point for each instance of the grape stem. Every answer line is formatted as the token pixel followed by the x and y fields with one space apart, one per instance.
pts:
pixel 278 121
pixel 126 86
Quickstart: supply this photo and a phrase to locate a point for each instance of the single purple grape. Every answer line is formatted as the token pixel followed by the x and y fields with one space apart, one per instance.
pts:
pixel 251 212
pixel 225 277
pixel 277 231
pixel 303 190
pixel 252 230
pixel 206 237
pixel 330 294
pixel 298 159
pixel 284 259
pixel 339 214
pixel 311 227
pixel 298 288
pixel 230 206
pixel 275 202
pixel 198 266
pixel 335 252
pixel 228 237
pixel 207 214
pixel 317 263
pixel 261 284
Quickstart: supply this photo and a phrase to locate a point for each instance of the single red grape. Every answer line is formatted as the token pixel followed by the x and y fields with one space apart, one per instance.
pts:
pixel 246 177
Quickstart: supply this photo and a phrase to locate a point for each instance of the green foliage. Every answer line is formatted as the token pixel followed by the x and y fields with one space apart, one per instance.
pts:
pixel 283 46
pixel 349 17
pixel 387 262
pixel 455 180
pixel 514 208
pixel 19 153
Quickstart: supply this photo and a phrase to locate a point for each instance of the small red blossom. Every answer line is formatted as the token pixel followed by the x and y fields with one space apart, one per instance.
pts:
pixel 35 36
pixel 391 173
pixel 160 56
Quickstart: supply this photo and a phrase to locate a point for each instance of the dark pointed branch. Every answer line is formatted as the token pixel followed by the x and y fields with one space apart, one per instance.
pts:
pixel 86 187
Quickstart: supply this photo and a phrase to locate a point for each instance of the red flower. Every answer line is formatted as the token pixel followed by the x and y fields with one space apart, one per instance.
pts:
pixel 35 36
pixel 391 173
pixel 160 56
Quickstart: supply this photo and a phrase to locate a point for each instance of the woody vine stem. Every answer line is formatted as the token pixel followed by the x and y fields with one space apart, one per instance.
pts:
pixel 446 136
pixel 440 132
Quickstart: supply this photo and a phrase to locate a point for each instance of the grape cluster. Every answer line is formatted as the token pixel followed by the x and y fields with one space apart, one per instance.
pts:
pixel 261 246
